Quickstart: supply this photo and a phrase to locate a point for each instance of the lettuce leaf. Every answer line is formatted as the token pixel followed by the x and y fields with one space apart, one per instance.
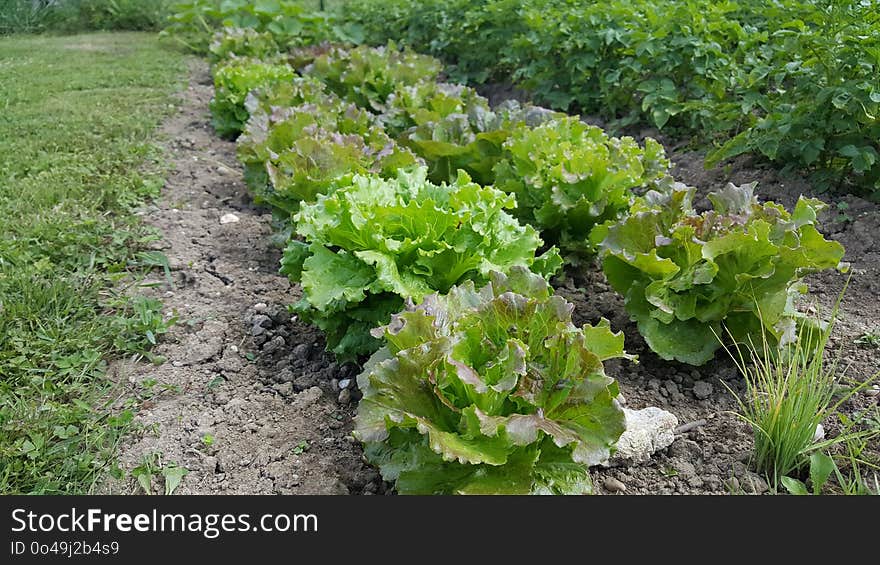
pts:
pixel 233 81
pixel 490 391
pixel 369 244
pixel 366 76
pixel 294 153
pixel 569 177
pixel 688 279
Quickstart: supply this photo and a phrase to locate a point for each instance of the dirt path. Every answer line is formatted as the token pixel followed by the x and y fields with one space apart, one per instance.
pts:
pixel 246 400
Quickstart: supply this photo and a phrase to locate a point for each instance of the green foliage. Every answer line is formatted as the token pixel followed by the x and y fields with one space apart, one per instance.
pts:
pixel 24 16
pixel 684 274
pixel 296 153
pixel 374 243
pixel 242 43
pixel 790 391
pixel 470 139
pixel 233 80
pixel 796 81
pixel 568 177
pixel 490 392
pixel 69 243
pixel 73 16
pixel 194 23
pixel 367 76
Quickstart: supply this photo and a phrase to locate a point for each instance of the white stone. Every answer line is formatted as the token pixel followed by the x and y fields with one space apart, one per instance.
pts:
pixel 647 431
pixel 228 218
pixel 819 435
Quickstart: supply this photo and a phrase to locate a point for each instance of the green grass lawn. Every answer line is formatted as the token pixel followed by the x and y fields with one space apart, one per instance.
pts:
pixel 77 153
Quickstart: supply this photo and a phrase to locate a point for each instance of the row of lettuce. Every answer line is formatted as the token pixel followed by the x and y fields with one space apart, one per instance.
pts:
pixel 424 226
pixel 795 81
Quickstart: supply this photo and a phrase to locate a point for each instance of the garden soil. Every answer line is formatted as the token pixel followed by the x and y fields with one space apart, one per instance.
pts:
pixel 249 403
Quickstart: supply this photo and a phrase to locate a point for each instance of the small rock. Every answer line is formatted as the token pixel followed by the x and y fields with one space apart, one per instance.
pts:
pixel 647 431
pixel 284 389
pixel 224 170
pixel 345 383
pixel 344 396
pixel 303 382
pixel 819 435
pixel 282 316
pixel 873 391
pixel 613 485
pixel 620 398
pixel 177 363
pixel 262 321
pixel 334 385
pixel 257 330
pixel 209 464
pixel 260 307
pixel 229 218
pixel 671 387
pixel 702 390
pixel 286 376
pixel 301 351
pixel 754 484
pixel 274 345
pixel 307 397
pixel 654 384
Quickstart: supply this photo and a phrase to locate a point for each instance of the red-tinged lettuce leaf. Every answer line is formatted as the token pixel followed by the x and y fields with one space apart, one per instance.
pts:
pixel 491 391
pixel 689 279
pixel 233 81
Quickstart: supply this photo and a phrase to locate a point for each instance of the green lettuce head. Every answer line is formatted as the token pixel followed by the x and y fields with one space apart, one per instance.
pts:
pixel 569 176
pixel 373 243
pixel 688 279
pixel 233 80
pixel 490 391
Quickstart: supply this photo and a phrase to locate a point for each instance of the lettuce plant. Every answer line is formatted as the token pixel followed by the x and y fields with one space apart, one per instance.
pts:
pixel 368 75
pixel 294 153
pixel 490 391
pixel 569 176
pixel 242 42
pixel 232 83
pixel 688 278
pixel 373 243
pixel 470 139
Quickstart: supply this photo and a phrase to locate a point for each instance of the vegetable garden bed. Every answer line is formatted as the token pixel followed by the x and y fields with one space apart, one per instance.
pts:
pixel 421 228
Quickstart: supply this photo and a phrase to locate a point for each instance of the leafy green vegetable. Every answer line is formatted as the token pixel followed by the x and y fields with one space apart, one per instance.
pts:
pixel 569 176
pixel 232 83
pixel 238 42
pixel 795 81
pixel 374 243
pixel 294 153
pixel 289 22
pixel 470 139
pixel 683 275
pixel 367 76
pixel 490 391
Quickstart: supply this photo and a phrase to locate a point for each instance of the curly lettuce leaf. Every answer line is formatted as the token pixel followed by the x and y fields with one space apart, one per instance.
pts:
pixel 404 238
pixel 568 177
pixel 688 279
pixel 490 391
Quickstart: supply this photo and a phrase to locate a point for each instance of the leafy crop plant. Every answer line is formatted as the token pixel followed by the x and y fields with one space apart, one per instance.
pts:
pixel 374 243
pixel 490 391
pixel 683 275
